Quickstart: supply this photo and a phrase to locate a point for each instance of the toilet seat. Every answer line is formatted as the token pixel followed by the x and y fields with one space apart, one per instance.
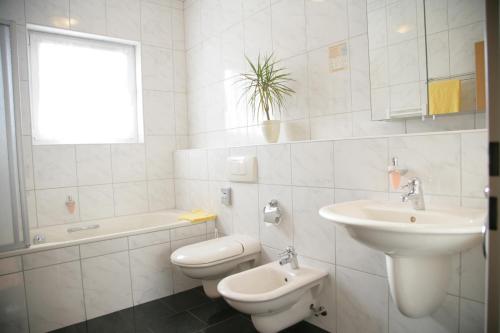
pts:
pixel 215 251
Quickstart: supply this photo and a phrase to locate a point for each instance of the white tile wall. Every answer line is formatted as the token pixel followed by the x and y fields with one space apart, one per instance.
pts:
pixel 93 164
pixel 123 18
pixel 274 164
pixel 158 113
pixel 444 319
pixel 350 253
pixel 326 103
pixel 313 236
pixel 64 286
pixel 305 176
pixel 474 161
pixel 123 172
pixel 156 27
pixel 14 10
pixel 13 315
pixel 51 206
pixel 106 281
pixel 326 16
pixel 130 198
pixel 96 202
pixel 362 302
pixel 270 235
pixel 473 275
pixel 364 170
pixel 50 257
pixel 161 194
pixel 159 157
pixel 151 272
pixel 88 16
pixel 245 209
pixel 188 232
pixel 54 166
pixel 152 238
pixel 59 302
pixel 256 31
pixel 10 265
pixel 312 164
pixel 328 294
pixel 288 40
pixel 101 248
pixel 453 27
pixel 51 13
pixel 461 50
pixel 471 316
pixel 435 159
pixel 128 162
pixel 224 213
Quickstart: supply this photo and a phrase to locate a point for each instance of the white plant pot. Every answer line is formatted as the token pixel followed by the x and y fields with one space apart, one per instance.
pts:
pixel 271 130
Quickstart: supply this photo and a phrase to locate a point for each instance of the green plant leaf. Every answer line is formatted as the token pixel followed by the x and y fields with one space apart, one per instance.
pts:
pixel 265 87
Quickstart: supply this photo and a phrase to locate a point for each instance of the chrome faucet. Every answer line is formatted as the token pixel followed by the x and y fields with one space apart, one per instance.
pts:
pixel 289 256
pixel 415 194
pixel 38 239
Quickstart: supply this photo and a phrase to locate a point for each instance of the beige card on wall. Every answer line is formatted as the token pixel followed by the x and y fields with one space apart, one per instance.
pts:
pixel 338 57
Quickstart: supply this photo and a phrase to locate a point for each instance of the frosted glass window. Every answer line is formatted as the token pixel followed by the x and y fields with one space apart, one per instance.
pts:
pixel 84 90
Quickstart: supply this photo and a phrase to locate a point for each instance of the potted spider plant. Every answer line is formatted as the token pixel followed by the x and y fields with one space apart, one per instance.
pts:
pixel 266 87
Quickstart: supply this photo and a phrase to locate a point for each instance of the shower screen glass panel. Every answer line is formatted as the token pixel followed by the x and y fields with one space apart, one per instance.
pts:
pixel 7 234
pixel 12 220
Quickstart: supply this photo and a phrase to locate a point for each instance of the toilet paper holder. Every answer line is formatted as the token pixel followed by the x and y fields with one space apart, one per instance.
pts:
pixel 272 212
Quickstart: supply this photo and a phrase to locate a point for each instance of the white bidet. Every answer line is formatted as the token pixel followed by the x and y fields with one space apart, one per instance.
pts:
pixel 276 296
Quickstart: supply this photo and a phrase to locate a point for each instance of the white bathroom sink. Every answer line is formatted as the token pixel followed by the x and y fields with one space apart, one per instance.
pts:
pixel 419 245
pixel 398 229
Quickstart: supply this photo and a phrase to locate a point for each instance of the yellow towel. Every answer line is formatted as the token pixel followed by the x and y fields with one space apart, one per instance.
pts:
pixel 444 97
pixel 197 215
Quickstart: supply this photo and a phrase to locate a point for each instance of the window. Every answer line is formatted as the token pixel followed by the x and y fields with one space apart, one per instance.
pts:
pixel 84 88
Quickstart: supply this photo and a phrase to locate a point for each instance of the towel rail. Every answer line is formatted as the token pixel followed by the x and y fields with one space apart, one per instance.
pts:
pixel 461 77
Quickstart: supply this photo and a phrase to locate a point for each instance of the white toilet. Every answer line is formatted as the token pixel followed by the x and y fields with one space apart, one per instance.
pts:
pixel 212 260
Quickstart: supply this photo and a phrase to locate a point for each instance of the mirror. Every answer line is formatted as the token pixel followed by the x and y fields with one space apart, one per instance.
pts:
pixel 426 57
pixel 397 58
pixel 455 50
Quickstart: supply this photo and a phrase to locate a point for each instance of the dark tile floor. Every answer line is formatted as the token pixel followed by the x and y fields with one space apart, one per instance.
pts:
pixel 187 312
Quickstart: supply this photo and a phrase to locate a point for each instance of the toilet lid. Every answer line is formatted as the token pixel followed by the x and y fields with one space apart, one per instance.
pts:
pixel 207 252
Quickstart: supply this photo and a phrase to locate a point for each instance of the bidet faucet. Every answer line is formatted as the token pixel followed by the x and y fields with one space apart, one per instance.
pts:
pixel 415 194
pixel 289 256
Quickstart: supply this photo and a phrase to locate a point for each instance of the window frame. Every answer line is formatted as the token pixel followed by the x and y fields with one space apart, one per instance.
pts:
pixel 92 37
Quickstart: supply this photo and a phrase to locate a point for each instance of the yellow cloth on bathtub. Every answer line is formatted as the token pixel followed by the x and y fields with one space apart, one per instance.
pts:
pixel 197 215
pixel 444 97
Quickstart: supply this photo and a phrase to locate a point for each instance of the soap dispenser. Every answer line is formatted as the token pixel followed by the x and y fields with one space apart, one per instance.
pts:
pixel 395 173
pixel 70 204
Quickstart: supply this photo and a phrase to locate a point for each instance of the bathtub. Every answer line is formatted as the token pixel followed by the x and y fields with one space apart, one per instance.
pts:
pixel 95 268
pixel 98 230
